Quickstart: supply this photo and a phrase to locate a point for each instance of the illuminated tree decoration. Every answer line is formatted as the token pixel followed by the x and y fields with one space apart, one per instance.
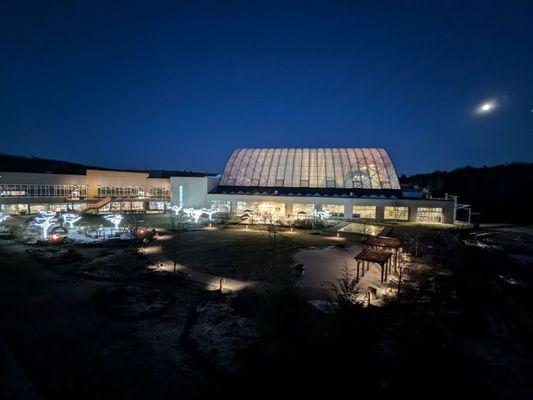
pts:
pixel 45 220
pixel 3 217
pixel 70 219
pixel 209 212
pixel 193 213
pixel 321 214
pixel 115 219
pixel 176 209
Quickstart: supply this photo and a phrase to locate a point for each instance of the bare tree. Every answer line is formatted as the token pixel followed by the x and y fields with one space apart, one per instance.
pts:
pixel 273 242
pixel 399 273
pixel 345 287
pixel 177 224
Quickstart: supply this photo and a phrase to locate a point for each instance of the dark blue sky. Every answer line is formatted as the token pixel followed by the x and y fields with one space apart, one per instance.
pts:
pixel 179 85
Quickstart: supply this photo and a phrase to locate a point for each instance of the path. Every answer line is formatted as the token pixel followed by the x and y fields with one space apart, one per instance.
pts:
pixel 155 252
pixel 323 266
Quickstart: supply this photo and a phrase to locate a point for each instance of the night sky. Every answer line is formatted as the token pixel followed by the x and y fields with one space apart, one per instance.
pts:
pixel 179 85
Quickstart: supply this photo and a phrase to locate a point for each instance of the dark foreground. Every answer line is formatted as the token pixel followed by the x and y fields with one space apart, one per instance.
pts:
pixel 462 327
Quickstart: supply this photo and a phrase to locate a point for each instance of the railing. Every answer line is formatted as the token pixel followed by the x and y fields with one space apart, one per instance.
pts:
pixel 98 204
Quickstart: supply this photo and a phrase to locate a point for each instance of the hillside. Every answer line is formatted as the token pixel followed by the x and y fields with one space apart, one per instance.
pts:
pixel 10 163
pixel 501 193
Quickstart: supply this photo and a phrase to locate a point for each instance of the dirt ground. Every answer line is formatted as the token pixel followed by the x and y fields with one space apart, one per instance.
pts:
pixel 83 335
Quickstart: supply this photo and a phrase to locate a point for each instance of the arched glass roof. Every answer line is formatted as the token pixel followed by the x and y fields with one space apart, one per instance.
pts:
pixel 346 168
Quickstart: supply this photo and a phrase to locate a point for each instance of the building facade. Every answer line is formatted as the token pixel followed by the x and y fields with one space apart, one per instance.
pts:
pixel 287 184
pixel 97 191
pixel 274 184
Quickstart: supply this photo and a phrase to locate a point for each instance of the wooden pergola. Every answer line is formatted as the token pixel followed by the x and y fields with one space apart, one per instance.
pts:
pixel 378 256
pixel 392 245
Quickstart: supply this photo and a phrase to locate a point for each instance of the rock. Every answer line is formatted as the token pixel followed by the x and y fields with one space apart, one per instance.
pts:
pixel 221 335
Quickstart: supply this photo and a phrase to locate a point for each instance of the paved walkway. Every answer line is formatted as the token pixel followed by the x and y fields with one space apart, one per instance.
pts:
pixel 323 266
pixel 155 253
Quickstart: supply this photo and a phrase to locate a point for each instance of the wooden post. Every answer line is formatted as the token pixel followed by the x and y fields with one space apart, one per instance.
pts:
pixel 382 271
pixel 363 270
pixel 357 277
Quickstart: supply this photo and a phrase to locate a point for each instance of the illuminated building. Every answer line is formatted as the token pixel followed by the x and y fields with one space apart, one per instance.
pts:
pixel 96 191
pixel 284 184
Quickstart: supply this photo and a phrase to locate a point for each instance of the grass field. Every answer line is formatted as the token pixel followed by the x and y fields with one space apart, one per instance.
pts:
pixel 246 254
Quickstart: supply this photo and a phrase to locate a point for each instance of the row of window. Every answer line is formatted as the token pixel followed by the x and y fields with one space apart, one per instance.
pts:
pixel 35 208
pixel 133 191
pixel 305 211
pixel 80 191
pixel 33 190
pixel 77 207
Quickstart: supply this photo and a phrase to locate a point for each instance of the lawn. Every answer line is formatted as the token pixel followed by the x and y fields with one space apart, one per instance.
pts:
pixel 246 254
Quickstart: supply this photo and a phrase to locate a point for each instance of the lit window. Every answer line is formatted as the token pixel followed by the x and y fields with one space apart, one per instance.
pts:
pixel 397 213
pixel 364 212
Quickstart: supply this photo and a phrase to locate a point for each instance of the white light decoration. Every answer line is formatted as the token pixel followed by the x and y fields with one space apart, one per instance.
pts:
pixel 209 212
pixel 321 214
pixel 193 213
pixel 176 209
pixel 115 219
pixel 45 220
pixel 70 219
pixel 3 217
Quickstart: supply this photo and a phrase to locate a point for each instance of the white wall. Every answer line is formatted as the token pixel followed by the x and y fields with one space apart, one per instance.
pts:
pixel 195 190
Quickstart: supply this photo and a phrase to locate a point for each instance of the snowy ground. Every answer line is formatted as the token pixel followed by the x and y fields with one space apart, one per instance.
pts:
pixel 105 234
pixel 325 266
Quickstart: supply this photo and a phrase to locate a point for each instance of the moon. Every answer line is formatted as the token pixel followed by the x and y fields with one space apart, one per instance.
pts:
pixel 486 107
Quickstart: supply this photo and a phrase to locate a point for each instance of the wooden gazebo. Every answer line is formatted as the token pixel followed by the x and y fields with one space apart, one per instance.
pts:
pixel 389 244
pixel 378 256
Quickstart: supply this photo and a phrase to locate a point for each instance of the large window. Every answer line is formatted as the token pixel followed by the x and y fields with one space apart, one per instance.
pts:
pixel 302 211
pixel 364 212
pixel 397 213
pixel 132 191
pixel 35 208
pixel 59 207
pixel 246 207
pixel 156 205
pixel 336 210
pixel 35 190
pixel 14 208
pixel 222 206
pixel 425 214
pixel 265 211
pixel 270 212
